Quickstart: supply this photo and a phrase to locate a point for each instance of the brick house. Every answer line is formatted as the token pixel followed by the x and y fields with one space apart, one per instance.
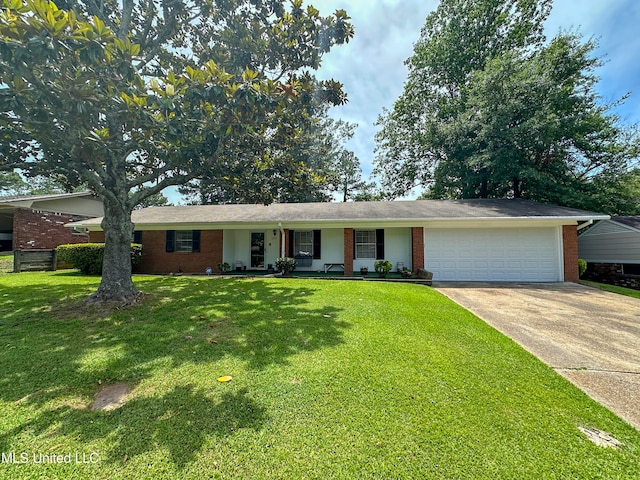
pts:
pixel 37 221
pixel 458 240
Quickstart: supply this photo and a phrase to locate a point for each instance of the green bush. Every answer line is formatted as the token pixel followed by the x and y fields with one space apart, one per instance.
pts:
pixel 383 267
pixel 286 265
pixel 87 257
pixel 582 266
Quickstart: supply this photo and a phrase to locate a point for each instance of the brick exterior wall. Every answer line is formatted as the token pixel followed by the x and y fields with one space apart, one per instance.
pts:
pixel 96 237
pixel 286 242
pixel 155 258
pixel 348 251
pixel 417 247
pixel 570 247
pixel 33 229
pixel 612 274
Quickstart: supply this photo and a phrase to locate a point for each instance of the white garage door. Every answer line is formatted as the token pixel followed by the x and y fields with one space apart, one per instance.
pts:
pixel 507 255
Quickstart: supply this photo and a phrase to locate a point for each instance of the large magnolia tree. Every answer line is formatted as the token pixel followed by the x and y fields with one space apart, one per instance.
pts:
pixel 131 97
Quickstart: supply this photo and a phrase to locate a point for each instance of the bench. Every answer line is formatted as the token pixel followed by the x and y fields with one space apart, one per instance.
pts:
pixel 329 266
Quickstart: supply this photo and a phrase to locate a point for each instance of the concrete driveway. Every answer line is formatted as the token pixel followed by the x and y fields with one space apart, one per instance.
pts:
pixel 589 336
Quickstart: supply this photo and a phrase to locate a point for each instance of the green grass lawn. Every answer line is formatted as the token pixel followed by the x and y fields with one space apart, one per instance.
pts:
pixel 6 262
pixel 350 380
pixel 629 292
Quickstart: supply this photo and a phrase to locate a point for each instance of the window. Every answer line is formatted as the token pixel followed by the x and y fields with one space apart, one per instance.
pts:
pixel 631 269
pixel 137 236
pixel 365 243
pixel 303 242
pixel 183 241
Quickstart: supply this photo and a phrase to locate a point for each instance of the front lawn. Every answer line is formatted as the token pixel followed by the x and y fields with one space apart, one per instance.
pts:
pixel 628 292
pixel 6 262
pixel 330 379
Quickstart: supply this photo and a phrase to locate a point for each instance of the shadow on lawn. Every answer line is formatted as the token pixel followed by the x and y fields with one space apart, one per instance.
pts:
pixel 48 357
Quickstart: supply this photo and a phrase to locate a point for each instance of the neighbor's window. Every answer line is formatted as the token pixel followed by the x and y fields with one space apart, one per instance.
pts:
pixel 630 269
pixel 303 242
pixel 365 243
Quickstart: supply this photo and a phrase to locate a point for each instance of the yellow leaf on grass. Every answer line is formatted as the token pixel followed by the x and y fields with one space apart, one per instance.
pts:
pixel 226 378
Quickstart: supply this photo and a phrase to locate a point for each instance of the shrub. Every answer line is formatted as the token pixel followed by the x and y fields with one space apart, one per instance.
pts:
pixel 224 267
pixel 87 257
pixel 582 266
pixel 382 267
pixel 286 264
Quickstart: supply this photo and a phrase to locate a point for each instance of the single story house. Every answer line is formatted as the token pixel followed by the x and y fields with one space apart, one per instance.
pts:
pixel 457 240
pixel 612 251
pixel 37 221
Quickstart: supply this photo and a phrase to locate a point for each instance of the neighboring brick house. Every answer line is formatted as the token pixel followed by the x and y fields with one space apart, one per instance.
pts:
pixel 37 221
pixel 457 240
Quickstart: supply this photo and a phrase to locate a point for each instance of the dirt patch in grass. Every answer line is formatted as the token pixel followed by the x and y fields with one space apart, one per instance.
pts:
pixel 111 397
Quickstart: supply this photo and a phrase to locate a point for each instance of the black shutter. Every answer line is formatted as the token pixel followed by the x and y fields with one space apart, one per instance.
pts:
pixel 137 236
pixel 317 244
pixel 170 245
pixel 380 244
pixel 290 249
pixel 195 241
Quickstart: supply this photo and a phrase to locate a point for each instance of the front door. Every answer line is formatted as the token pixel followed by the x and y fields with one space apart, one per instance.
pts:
pixel 257 250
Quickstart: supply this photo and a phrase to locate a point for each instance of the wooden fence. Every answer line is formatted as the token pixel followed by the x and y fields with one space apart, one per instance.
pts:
pixel 33 260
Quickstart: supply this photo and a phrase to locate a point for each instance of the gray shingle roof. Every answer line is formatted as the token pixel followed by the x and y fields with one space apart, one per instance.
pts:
pixel 633 222
pixel 353 211
pixel 40 197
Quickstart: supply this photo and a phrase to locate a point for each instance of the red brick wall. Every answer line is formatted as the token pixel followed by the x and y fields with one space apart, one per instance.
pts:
pixel 348 251
pixel 155 259
pixel 417 247
pixel 33 230
pixel 286 242
pixel 96 237
pixel 570 247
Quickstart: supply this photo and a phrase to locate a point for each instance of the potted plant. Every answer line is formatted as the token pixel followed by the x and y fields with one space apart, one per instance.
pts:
pixel 364 271
pixel 406 273
pixel 224 267
pixel 382 267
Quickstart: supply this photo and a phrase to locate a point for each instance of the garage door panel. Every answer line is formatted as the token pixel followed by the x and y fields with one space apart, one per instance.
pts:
pixel 530 255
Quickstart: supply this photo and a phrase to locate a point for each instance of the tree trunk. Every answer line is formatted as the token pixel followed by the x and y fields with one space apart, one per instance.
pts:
pixel 116 285
pixel 517 191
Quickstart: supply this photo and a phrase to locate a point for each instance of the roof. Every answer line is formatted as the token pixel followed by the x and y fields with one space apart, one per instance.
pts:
pixel 28 200
pixel 390 211
pixel 79 203
pixel 633 222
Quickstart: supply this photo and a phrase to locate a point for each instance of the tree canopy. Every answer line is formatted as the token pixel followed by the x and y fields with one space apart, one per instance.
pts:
pixel 301 166
pixel 490 109
pixel 131 97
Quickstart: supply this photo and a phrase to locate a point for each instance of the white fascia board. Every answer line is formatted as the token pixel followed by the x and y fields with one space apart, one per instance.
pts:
pixel 471 222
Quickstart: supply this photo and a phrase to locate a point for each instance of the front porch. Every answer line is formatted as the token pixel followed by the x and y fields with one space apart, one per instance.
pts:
pixel 371 276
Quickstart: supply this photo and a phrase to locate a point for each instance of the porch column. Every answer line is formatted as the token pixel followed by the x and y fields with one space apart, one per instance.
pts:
pixel 417 247
pixel 570 253
pixel 348 251
pixel 285 241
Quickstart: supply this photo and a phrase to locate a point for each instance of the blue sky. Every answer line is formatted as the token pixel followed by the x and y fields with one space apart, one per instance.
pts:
pixel 371 66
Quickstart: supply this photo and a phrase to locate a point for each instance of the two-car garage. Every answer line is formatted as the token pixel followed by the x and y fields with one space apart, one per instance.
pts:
pixel 494 254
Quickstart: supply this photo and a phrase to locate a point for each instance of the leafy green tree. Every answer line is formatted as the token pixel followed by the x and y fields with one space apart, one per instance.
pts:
pixel 458 39
pixel 132 97
pixel 519 119
pixel 11 183
pixel 302 164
